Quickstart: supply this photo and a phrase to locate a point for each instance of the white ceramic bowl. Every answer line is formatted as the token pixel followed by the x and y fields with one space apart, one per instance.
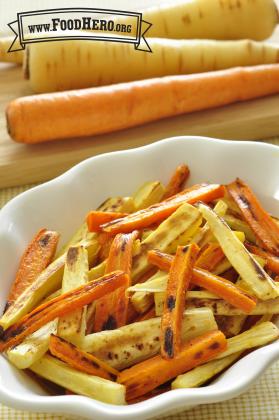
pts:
pixel 61 205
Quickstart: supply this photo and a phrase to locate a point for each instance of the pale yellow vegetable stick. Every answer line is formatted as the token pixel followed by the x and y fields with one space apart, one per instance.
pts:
pixel 243 262
pixel 117 204
pixel 149 193
pixel 72 327
pixel 213 19
pixel 257 336
pixel 182 220
pixel 46 283
pixel 133 343
pixel 9 57
pixel 77 64
pixel 201 374
pixel 81 383
pixel 33 347
pixel 218 306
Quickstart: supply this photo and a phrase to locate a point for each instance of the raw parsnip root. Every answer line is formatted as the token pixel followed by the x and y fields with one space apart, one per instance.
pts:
pixel 214 19
pixel 79 64
pixel 9 57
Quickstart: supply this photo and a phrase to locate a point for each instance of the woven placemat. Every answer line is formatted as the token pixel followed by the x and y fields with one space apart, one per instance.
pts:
pixel 261 402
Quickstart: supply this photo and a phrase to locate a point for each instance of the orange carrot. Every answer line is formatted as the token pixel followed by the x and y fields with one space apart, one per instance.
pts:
pixel 147 375
pixel 160 259
pixel 97 218
pixel 105 240
pixel 111 310
pixel 61 306
pixel 37 256
pixel 215 284
pixel 178 179
pixel 210 257
pixel 160 211
pixel 224 289
pixel 87 112
pixel 272 262
pixel 180 275
pixel 262 224
pixel 80 360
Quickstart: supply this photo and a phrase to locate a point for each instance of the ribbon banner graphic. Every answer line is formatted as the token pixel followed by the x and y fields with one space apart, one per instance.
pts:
pixel 79 23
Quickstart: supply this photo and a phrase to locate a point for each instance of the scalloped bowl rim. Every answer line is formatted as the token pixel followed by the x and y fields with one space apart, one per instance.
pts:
pixel 228 386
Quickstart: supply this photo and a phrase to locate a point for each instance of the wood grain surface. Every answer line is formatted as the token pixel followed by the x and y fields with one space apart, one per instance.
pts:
pixel 22 164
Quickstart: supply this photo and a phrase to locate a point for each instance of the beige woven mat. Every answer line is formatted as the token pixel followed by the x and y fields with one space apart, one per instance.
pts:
pixel 260 403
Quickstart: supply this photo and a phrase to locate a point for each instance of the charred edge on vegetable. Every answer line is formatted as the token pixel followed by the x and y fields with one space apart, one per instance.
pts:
pixel 91 362
pixel 170 303
pixel 110 323
pixel 168 342
pixel 8 304
pixel 185 249
pixel 198 355
pixel 214 346
pixel 1 332
pixel 258 269
pixel 72 256
pixel 45 240
pixel 12 332
pixel 124 243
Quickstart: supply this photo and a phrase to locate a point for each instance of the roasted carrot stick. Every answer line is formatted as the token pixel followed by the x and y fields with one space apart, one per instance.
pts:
pixel 210 257
pixel 180 275
pixel 160 211
pixel 272 262
pixel 224 289
pixel 105 240
pixel 35 259
pixel 178 179
pixel 111 310
pixel 105 109
pixel 160 259
pixel 262 224
pixel 97 218
pixel 59 306
pixel 153 372
pixel 80 360
pixel 215 284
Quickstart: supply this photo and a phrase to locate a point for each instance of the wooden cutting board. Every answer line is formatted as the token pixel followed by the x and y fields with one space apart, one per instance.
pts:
pixel 21 164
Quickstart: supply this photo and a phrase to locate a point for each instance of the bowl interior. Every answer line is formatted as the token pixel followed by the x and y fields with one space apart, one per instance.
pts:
pixel 63 203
